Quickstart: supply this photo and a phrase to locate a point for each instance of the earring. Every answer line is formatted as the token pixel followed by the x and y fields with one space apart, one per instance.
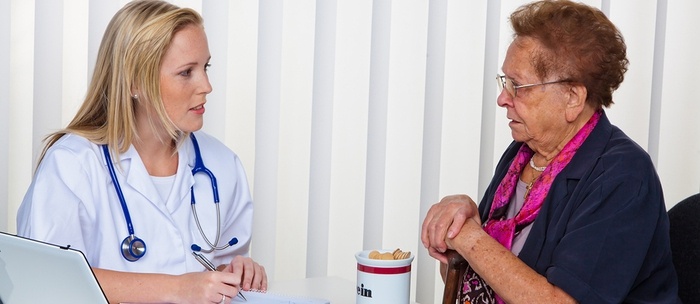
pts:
pixel 135 97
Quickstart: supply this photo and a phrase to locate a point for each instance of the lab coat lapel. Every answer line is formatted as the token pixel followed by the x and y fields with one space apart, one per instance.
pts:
pixel 137 177
pixel 185 180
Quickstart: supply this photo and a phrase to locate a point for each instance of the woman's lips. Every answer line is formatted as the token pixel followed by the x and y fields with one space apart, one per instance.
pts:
pixel 198 109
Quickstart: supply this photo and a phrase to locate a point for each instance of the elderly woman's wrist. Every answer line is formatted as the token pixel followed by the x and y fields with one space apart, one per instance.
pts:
pixel 469 235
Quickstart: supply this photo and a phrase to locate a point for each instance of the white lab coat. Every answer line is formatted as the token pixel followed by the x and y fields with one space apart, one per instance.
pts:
pixel 72 201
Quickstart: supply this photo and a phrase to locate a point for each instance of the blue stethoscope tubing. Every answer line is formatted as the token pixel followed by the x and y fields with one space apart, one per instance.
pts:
pixel 200 168
pixel 132 247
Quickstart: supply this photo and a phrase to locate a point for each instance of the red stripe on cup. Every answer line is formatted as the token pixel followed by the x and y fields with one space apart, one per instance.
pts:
pixel 383 270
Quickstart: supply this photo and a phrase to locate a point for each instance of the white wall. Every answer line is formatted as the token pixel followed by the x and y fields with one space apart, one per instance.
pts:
pixel 351 116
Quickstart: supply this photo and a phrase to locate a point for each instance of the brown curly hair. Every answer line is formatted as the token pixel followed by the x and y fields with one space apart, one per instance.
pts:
pixel 579 43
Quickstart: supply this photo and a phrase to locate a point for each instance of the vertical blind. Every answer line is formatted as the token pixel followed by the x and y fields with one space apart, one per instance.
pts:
pixel 351 117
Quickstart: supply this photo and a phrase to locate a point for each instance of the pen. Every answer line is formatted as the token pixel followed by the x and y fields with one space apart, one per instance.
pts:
pixel 210 266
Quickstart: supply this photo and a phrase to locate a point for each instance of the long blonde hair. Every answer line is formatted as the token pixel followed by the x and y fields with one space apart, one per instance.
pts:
pixel 129 59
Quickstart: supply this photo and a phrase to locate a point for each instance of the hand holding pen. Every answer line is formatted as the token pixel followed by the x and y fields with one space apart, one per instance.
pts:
pixel 210 266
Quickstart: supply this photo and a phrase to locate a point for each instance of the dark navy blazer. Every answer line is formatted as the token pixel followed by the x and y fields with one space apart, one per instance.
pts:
pixel 602 234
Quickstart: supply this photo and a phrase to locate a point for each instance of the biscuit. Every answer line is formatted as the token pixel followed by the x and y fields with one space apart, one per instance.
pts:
pixel 387 256
pixel 395 255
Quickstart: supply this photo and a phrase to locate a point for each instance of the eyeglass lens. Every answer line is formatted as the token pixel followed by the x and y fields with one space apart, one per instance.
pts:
pixel 507 84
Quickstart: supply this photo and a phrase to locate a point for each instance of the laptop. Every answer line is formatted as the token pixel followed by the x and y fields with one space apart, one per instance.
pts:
pixel 35 272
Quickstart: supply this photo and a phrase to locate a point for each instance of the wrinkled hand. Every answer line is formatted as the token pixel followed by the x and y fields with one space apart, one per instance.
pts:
pixel 444 220
pixel 207 287
pixel 251 274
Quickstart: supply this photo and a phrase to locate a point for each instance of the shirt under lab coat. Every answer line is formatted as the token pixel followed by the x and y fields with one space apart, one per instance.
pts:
pixel 72 201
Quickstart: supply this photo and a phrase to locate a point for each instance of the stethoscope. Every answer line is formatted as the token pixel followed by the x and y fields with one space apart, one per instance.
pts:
pixel 133 248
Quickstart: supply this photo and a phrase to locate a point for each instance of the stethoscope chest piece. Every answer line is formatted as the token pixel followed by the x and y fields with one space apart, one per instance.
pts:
pixel 133 248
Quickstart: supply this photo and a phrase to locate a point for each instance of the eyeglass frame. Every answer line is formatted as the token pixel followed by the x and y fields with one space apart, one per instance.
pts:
pixel 502 81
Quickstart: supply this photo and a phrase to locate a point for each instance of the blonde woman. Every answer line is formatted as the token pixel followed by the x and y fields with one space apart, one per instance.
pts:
pixel 134 184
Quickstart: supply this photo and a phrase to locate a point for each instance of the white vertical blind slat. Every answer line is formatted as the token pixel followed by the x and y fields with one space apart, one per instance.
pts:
pixel 377 124
pixel 100 12
pixel 467 81
pixel 432 137
pixel 5 25
pixel 74 75
pixel 215 14
pixel 657 79
pixel 350 131
pixel 294 136
pixel 492 122
pixel 20 124
pixel 679 130
pixel 241 81
pixel 404 139
pixel 48 70
pixel 632 100
pixel 321 140
pixel 267 115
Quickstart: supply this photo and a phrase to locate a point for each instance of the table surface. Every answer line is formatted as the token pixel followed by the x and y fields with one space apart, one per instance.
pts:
pixel 335 289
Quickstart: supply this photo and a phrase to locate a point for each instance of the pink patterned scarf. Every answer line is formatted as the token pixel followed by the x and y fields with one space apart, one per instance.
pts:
pixel 474 289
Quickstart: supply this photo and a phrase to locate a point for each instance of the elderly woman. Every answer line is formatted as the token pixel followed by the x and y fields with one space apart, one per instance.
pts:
pixel 575 211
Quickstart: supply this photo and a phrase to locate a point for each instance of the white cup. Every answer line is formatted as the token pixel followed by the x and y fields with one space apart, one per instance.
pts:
pixel 383 281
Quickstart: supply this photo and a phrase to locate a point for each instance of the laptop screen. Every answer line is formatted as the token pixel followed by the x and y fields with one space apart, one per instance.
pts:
pixel 32 271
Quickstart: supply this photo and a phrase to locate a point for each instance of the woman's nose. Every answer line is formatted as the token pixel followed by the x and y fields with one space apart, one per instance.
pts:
pixel 207 88
pixel 504 99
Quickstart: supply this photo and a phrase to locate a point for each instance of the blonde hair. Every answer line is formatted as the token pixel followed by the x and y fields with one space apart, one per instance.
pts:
pixel 129 59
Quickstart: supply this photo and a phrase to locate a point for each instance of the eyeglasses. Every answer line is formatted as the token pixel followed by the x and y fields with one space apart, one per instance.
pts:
pixel 508 84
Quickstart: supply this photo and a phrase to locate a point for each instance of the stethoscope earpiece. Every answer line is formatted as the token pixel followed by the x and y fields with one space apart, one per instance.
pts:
pixel 133 248
pixel 232 242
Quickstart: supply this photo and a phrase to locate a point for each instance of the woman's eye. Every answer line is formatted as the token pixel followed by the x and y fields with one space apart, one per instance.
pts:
pixel 186 72
pixel 206 67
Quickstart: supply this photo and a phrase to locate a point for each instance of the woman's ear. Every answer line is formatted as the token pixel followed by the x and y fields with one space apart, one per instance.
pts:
pixel 134 93
pixel 576 101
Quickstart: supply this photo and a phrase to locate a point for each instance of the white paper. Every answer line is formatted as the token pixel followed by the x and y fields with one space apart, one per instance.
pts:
pixel 254 297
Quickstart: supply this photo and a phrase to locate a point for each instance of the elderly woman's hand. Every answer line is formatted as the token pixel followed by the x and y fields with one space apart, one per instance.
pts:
pixel 444 220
